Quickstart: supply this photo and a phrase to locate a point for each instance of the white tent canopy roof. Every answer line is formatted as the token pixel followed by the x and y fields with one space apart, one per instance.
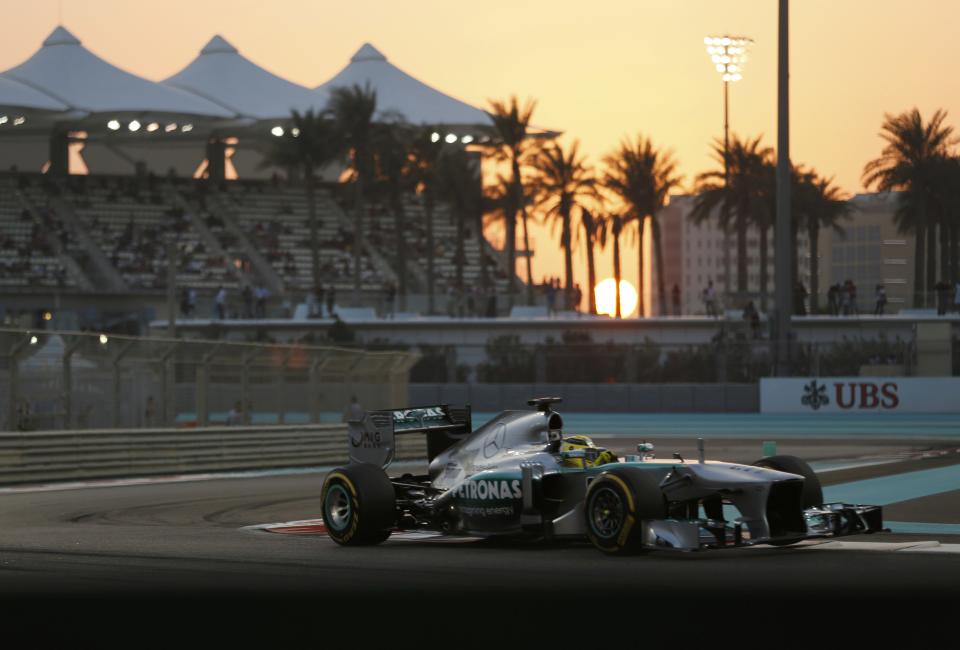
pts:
pixel 398 91
pixel 66 71
pixel 15 95
pixel 221 74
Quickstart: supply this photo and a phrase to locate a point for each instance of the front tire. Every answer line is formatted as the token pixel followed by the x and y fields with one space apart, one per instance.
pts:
pixel 359 505
pixel 615 505
pixel 812 494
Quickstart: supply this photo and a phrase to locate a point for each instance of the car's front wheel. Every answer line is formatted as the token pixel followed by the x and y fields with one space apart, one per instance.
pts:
pixel 359 506
pixel 614 507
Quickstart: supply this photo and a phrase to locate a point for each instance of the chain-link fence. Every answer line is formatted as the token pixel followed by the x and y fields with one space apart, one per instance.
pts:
pixel 67 380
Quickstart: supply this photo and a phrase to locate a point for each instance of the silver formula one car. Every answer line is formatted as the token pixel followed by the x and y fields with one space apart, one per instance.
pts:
pixel 520 475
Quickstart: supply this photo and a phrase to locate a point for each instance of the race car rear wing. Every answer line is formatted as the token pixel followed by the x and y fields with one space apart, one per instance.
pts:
pixel 372 440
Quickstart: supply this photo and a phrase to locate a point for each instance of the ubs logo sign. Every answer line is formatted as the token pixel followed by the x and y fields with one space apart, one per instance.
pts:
pixel 862 395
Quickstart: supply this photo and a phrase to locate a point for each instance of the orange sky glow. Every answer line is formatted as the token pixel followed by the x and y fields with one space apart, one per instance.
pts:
pixel 600 71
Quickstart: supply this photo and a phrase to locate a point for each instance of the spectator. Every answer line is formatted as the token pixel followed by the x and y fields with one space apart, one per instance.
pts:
pixel 331 297
pixel 220 301
pixel 354 412
pixel 247 301
pixel 391 294
pixel 261 295
pixel 675 294
pixel 846 298
pixel 318 294
pixel 551 292
pixel 943 297
pixel 881 297
pixel 799 299
pixel 833 305
pixel 577 298
pixel 710 300
pixel 491 302
pixel 752 318
pixel 235 415
pixel 150 412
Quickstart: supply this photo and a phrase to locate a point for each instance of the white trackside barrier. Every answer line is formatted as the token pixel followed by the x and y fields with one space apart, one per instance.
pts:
pixel 44 456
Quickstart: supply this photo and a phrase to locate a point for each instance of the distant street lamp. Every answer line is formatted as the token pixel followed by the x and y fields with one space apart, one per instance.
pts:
pixel 728 54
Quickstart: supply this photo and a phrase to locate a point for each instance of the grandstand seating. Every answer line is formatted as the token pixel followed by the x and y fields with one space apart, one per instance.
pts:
pixel 27 257
pixel 128 218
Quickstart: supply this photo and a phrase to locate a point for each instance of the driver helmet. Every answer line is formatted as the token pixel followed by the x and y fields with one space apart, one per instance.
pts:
pixel 593 455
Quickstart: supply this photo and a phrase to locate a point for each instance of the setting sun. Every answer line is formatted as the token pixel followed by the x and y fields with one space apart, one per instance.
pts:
pixel 606 292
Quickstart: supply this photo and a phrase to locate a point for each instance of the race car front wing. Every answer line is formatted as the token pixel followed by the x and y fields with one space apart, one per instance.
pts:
pixel 827 520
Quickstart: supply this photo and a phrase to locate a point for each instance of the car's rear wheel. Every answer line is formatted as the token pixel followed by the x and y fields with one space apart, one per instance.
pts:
pixel 812 494
pixel 615 505
pixel 359 506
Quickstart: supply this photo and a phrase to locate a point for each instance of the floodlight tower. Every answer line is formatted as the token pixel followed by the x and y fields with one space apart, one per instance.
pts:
pixel 728 54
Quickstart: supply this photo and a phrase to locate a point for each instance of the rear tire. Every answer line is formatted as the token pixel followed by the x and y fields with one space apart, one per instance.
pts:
pixel 615 506
pixel 359 505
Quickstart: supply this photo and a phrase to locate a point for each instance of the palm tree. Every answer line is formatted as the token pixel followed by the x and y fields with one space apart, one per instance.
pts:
pixel 616 228
pixel 511 123
pixel 594 234
pixel 820 204
pixel 742 198
pixel 909 163
pixel 391 144
pixel 424 156
pixel 642 177
pixel 947 213
pixel 562 180
pixel 460 186
pixel 353 108
pixel 311 143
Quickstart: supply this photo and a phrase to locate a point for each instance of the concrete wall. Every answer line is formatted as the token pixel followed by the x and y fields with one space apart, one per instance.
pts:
pixel 617 398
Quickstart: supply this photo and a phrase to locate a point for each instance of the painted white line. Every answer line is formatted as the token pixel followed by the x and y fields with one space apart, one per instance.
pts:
pixel 910 547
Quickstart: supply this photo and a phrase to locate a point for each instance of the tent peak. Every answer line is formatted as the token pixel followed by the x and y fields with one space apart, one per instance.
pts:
pixel 218 45
pixel 61 36
pixel 367 53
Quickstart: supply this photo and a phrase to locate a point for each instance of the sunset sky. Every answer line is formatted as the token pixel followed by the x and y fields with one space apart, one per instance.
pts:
pixel 599 70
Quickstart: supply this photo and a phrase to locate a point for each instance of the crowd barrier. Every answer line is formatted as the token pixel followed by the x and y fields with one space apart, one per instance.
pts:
pixel 48 456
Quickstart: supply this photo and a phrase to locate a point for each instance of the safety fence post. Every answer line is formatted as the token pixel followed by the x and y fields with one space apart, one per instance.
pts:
pixel 117 385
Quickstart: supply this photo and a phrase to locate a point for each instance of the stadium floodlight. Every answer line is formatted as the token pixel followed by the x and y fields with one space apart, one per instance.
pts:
pixel 728 54
pixel 104 339
pixel 153 126
pixel 434 137
pixel 3 119
pixel 467 139
pixel 33 340
pixel 295 132
pixel 186 128
pixel 17 121
pixel 451 138
pixel 113 125
pixel 277 131
pixel 134 126
pixel 170 127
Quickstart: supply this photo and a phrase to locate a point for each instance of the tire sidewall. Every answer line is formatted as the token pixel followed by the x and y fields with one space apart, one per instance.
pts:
pixel 350 532
pixel 622 541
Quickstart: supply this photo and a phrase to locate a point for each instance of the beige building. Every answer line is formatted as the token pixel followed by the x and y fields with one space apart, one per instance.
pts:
pixel 697 254
pixel 870 252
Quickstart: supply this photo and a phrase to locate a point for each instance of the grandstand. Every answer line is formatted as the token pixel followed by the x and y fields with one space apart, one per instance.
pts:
pixel 108 234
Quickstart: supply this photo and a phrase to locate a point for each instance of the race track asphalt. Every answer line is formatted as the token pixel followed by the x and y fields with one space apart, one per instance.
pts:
pixel 152 556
